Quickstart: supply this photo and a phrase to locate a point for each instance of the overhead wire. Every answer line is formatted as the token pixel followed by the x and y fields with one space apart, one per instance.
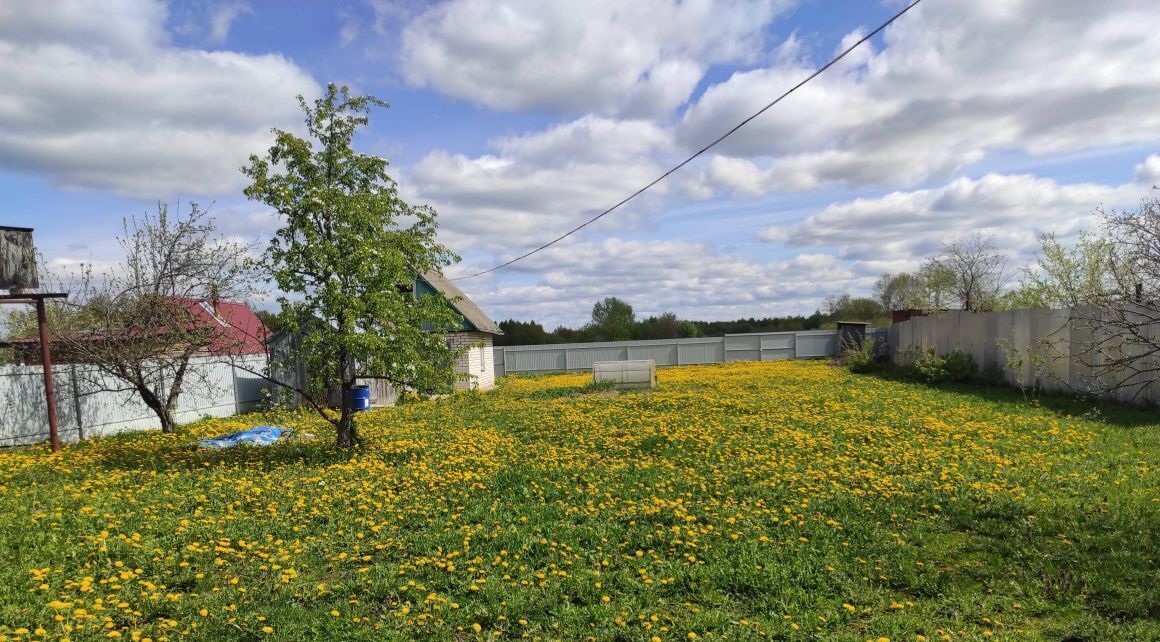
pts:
pixel 700 151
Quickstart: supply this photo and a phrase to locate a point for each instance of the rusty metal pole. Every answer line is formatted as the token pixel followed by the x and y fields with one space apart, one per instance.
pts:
pixel 46 365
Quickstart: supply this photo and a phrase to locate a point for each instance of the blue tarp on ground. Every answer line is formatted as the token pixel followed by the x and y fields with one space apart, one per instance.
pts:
pixel 259 436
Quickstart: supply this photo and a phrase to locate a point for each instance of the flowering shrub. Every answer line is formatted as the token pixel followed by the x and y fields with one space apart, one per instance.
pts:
pixel 740 501
pixel 863 357
pixel 955 366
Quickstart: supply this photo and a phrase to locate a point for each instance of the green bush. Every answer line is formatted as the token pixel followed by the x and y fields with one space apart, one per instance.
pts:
pixel 861 358
pixel 955 366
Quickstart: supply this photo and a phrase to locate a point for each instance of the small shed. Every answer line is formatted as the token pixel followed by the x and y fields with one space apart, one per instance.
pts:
pixel 851 334
pixel 17 259
pixel 476 333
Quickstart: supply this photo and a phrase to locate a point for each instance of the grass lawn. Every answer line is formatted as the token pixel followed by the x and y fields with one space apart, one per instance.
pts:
pixel 785 501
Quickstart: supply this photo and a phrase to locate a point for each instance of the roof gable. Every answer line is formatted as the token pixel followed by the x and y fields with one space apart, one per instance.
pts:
pixel 240 330
pixel 474 318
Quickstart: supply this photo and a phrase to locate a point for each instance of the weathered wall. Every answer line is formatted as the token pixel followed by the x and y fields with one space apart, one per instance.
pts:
pixel 1058 349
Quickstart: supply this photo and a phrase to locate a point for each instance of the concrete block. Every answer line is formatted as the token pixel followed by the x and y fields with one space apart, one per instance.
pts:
pixel 635 374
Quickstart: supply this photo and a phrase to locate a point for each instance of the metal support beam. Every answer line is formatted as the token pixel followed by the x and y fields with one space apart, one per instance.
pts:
pixel 45 352
pixel 46 364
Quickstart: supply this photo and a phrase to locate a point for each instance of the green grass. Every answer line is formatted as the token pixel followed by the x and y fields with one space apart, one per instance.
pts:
pixel 784 501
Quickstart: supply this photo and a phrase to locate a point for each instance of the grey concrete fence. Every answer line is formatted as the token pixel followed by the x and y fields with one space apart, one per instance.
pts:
pixel 760 346
pixel 1054 350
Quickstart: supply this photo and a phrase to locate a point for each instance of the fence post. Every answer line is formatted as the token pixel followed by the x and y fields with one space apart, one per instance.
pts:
pixel 234 385
pixel 77 402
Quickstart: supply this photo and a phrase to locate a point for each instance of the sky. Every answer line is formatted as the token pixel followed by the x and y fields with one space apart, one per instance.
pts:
pixel 518 120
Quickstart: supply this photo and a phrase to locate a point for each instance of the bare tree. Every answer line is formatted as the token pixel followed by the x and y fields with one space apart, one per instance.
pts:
pixel 897 291
pixel 1120 318
pixel 140 323
pixel 974 270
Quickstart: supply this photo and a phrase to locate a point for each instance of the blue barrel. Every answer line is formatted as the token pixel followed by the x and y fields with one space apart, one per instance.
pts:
pixel 360 398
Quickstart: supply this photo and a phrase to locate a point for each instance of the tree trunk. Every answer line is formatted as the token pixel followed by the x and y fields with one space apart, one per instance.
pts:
pixel 163 411
pixel 346 433
pixel 168 423
pixel 347 436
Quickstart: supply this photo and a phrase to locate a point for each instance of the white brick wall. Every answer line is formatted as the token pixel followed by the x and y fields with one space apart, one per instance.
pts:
pixel 478 361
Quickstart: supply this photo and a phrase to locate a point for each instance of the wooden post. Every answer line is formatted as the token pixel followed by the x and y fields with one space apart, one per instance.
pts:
pixel 46 365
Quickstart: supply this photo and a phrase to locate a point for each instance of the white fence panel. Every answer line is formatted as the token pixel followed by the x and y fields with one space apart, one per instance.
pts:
pixel 743 347
pixel 700 351
pixel 814 344
pixel 759 346
pixel 498 361
pixel 663 354
pixel 550 358
pixel 776 347
pixel 214 388
pixel 583 358
pixel 23 413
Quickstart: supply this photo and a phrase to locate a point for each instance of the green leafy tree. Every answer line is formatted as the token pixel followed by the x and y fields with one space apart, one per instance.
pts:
pixel 521 333
pixel 1065 277
pixel 346 258
pixel 690 330
pixel 847 308
pixel 664 326
pixel 270 320
pixel 1108 279
pixel 613 319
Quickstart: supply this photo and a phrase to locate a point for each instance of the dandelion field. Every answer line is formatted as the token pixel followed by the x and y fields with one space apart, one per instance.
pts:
pixel 746 501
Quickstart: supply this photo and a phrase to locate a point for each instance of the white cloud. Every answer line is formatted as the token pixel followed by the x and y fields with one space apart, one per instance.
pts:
pixel 223 17
pixel 98 99
pixel 841 248
pixel 120 26
pixel 901 228
pixel 954 81
pixel 695 280
pixel 606 56
pixel 540 184
pixel 1148 172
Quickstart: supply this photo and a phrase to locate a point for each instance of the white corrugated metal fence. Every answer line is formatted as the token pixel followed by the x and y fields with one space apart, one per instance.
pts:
pixel 220 390
pixel 759 346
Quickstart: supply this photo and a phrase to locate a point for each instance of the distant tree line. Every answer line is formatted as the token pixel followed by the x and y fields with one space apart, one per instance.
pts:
pixel 614 320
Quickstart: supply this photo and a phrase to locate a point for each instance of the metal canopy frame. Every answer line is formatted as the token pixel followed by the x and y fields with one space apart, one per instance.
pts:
pixel 37 299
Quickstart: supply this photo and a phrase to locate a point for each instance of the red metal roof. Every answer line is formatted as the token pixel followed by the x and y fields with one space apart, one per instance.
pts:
pixel 240 331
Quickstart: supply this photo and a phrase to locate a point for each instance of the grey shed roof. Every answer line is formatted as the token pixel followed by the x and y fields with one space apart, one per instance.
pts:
pixel 462 303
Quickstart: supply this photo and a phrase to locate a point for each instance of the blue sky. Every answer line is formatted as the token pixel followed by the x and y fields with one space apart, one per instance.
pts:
pixel 518 120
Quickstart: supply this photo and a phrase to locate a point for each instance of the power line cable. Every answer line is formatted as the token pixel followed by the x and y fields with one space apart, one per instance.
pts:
pixel 704 149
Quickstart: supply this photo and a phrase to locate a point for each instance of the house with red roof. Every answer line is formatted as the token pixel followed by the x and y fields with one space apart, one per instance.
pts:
pixel 237 331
